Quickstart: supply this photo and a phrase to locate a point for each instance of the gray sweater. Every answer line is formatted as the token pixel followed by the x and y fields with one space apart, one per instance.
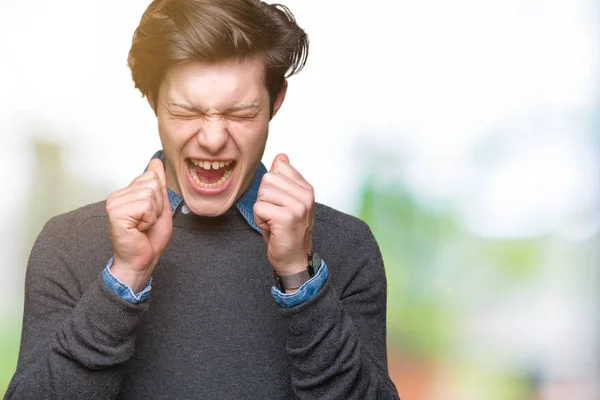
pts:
pixel 210 328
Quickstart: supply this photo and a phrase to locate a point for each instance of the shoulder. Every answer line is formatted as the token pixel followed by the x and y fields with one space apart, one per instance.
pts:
pixel 71 248
pixel 68 254
pixel 74 220
pixel 338 222
pixel 67 231
pixel 350 250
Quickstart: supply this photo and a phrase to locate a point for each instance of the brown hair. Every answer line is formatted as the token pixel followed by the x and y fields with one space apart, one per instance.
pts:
pixel 173 32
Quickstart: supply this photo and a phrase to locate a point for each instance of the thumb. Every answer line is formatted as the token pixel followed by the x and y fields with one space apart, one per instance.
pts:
pixel 157 166
pixel 281 156
pixel 264 227
pixel 166 203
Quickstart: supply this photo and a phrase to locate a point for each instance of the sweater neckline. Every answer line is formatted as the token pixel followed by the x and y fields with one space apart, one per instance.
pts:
pixel 231 220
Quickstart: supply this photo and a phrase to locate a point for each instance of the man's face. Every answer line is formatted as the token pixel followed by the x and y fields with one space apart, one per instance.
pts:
pixel 213 121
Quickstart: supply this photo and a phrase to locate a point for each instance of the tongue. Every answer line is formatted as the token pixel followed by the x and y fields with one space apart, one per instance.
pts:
pixel 209 176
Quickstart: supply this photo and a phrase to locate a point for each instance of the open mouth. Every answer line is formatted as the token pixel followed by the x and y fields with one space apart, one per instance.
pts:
pixel 210 174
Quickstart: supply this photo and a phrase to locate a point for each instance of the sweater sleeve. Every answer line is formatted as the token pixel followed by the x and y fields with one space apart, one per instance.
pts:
pixel 75 335
pixel 337 343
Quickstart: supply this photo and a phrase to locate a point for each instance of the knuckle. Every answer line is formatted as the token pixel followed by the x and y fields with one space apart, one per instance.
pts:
pixel 111 197
pixel 110 204
pixel 257 206
pixel 155 184
pixel 301 210
pixel 148 193
pixel 146 176
pixel 309 201
pixel 148 208
pixel 269 178
pixel 288 216
pixel 305 208
pixel 263 193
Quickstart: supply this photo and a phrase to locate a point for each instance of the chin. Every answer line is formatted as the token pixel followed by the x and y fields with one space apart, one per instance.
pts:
pixel 212 205
pixel 209 208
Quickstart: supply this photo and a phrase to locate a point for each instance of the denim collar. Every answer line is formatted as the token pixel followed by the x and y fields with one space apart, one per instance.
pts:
pixel 244 205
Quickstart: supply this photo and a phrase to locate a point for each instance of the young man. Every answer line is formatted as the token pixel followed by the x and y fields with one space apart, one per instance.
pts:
pixel 201 279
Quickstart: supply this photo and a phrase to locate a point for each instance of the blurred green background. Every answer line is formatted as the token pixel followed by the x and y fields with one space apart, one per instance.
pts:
pixel 466 134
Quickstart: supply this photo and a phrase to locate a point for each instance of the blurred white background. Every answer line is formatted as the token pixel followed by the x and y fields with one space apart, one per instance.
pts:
pixel 489 108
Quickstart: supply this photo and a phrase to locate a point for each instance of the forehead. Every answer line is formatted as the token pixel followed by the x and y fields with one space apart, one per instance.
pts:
pixel 215 84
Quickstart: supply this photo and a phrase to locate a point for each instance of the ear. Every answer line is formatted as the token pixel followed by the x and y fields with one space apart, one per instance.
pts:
pixel 151 102
pixel 280 97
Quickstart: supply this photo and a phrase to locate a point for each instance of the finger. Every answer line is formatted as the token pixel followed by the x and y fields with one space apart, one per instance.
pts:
pixel 141 193
pixel 294 212
pixel 153 184
pixel 266 214
pixel 152 181
pixel 138 214
pixel 161 231
pixel 128 212
pixel 157 166
pixel 165 204
pixel 282 166
pixel 147 175
pixel 272 181
pixel 279 157
pixel 262 224
pixel 278 197
pixel 270 213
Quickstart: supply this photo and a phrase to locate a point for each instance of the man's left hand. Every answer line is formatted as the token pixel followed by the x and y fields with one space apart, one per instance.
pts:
pixel 284 210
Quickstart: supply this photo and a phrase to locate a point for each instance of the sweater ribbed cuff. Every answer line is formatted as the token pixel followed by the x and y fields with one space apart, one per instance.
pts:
pixel 324 308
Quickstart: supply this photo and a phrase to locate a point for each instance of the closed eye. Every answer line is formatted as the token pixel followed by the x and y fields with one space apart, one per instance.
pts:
pixel 242 116
pixel 185 116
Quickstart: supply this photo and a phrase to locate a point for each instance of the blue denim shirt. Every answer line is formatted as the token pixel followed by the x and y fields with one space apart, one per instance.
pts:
pixel 244 206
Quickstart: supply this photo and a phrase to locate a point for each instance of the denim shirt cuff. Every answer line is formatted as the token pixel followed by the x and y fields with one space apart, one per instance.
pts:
pixel 307 291
pixel 123 290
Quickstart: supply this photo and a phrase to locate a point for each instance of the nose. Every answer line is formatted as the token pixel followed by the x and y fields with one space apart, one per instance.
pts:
pixel 213 135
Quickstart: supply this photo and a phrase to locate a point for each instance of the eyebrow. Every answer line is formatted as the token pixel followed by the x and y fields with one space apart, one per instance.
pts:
pixel 239 107
pixel 184 106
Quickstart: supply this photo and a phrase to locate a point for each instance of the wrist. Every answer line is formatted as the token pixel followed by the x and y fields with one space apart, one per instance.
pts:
pixel 290 269
pixel 133 277
pixel 289 272
pixel 291 281
pixel 290 266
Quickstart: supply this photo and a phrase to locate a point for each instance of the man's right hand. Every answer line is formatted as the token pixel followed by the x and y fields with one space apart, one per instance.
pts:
pixel 140 226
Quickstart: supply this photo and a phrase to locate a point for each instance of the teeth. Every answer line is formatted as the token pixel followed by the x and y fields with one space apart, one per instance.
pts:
pixel 210 185
pixel 208 164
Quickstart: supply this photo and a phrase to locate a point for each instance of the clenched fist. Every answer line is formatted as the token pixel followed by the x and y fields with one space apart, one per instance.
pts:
pixel 284 210
pixel 140 226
